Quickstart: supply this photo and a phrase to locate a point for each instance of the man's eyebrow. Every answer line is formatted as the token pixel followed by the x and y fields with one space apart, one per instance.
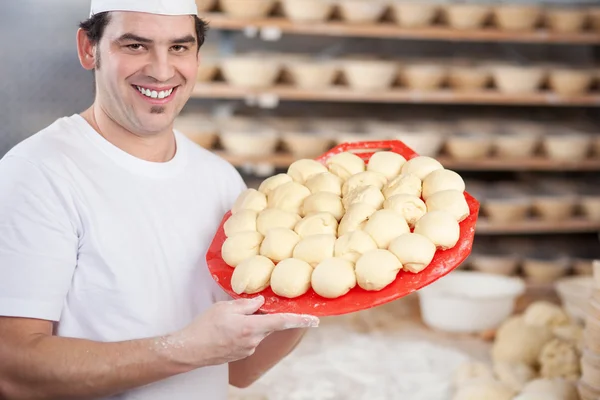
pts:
pixel 134 38
pixel 189 39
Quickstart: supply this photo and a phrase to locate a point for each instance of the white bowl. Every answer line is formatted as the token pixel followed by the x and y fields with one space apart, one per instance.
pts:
pixel 566 20
pixel 306 144
pixel 311 74
pixel 248 138
pixel 466 15
pixel 251 70
pixel 517 17
pixel 516 79
pixel 575 294
pixel 469 301
pixel 247 8
pixel 307 10
pixel 414 14
pixel 370 74
pixel 361 11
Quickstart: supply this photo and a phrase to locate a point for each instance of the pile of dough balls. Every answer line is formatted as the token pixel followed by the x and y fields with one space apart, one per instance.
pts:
pixel 344 223
pixel 535 357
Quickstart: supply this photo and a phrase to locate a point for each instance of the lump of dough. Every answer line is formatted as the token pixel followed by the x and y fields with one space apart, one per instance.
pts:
pixel 354 244
pixel 414 251
pixel 252 275
pixel 412 208
pixel 517 342
pixel 345 165
pixel 538 396
pixel 470 371
pixel 243 220
pixel 323 202
pixel 440 227
pixel 291 278
pixel 440 180
pixel 355 218
pixel 384 226
pixel 250 199
pixel 544 313
pixel 304 169
pixel 333 277
pixel 325 182
pixel 288 197
pixel 376 269
pixel 365 194
pixel 421 166
pixel 240 246
pixel 367 178
pixel 572 333
pixel 314 249
pixel 452 201
pixel 272 183
pixel 279 244
pixel 559 359
pixel 387 163
pixel 317 224
pixel 275 218
pixel 484 389
pixel 563 389
pixel 514 375
pixel 403 184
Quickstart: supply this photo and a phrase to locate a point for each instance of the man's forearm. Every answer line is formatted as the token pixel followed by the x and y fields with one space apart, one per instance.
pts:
pixel 243 373
pixel 50 367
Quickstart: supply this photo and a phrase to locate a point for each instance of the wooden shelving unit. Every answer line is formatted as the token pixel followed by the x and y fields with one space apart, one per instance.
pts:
pixel 283 160
pixel 537 227
pixel 270 97
pixel 392 31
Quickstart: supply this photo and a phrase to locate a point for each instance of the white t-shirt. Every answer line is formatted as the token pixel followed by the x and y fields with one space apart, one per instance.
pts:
pixel 110 246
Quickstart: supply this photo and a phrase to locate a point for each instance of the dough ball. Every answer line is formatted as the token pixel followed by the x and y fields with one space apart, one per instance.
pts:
pixel 272 183
pixel 345 165
pixel 291 278
pixel 516 342
pixel 414 251
pixel 355 218
pixel 544 313
pixel 403 184
pixel 279 244
pixel 440 227
pixel 275 218
pixel 252 275
pixel 323 202
pixel 440 180
pixel 560 359
pixel 241 246
pixel 317 224
pixel 288 197
pixel 362 179
pixel 376 269
pixel 412 208
pixel 333 277
pixel 365 194
pixel 572 333
pixel 387 163
pixel 243 220
pixel 384 226
pixel 314 249
pixel 514 375
pixel 563 389
pixel 452 201
pixel 250 199
pixel 470 371
pixel 421 166
pixel 302 170
pixel 484 389
pixel 325 182
pixel 354 244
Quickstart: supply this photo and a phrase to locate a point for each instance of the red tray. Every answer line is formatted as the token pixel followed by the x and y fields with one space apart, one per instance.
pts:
pixel 357 299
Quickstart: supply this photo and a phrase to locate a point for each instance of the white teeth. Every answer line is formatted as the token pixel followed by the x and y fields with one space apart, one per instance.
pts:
pixel 161 95
pixel 153 93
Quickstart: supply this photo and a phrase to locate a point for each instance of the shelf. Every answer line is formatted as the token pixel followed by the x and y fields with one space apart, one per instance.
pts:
pixel 283 160
pixel 270 97
pixel 273 27
pixel 537 227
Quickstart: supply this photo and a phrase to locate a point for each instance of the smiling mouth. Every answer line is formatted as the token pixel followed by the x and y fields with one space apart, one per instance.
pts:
pixel 153 94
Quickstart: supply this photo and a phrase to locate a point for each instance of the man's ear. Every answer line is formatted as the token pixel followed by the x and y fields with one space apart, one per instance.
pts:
pixel 86 50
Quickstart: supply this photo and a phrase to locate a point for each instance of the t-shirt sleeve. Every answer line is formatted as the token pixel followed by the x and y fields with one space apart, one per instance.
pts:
pixel 38 241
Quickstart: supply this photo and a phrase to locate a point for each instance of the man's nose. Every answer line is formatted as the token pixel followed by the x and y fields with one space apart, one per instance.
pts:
pixel 161 67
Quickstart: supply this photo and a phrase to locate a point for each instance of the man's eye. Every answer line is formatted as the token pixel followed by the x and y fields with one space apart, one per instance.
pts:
pixel 135 46
pixel 179 49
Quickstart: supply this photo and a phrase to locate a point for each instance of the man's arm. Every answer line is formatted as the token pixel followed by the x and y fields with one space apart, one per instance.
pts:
pixel 274 348
pixel 38 366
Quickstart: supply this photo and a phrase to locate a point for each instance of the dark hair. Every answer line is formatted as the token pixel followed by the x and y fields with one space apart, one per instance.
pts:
pixel 94 27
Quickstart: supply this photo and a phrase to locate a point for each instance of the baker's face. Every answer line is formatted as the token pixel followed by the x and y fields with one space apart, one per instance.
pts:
pixel 147 69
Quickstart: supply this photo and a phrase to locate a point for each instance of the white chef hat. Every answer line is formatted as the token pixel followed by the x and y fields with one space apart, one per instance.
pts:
pixel 164 7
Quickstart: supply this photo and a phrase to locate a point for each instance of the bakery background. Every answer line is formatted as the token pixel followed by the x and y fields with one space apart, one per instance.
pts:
pixel 513 108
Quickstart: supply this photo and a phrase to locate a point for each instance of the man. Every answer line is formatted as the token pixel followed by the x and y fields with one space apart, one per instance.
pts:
pixel 105 218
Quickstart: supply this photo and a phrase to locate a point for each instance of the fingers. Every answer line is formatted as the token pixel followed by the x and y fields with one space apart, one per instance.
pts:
pixel 280 322
pixel 248 306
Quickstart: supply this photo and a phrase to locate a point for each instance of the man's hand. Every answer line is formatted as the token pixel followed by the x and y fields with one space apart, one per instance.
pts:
pixel 228 332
